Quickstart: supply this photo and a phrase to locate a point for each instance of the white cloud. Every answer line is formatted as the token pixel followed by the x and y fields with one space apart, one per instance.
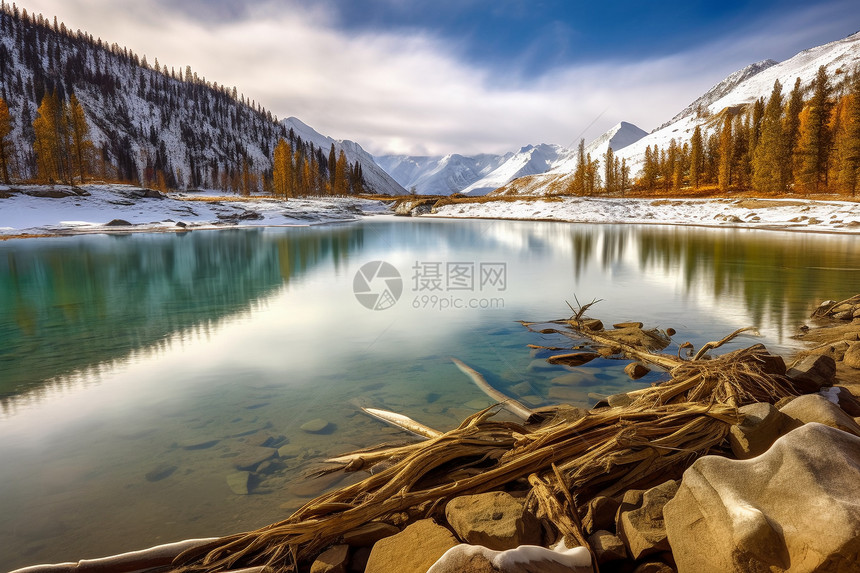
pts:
pixel 397 93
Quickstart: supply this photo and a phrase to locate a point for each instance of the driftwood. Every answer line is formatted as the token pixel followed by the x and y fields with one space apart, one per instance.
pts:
pixel 563 463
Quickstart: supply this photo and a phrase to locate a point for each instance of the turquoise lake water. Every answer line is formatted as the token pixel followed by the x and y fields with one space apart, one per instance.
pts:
pixel 137 372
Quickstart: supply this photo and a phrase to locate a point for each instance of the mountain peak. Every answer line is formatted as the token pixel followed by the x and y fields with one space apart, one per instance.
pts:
pixel 732 81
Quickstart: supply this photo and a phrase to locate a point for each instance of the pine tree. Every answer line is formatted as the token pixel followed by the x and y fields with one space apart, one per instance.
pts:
pixel 340 178
pixel 755 124
pixel 332 165
pixel 792 124
pixel 770 166
pixel 5 142
pixel 740 151
pixel 696 158
pixel 624 171
pixel 815 137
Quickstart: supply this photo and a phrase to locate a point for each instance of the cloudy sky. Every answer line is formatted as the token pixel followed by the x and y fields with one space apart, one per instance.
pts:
pixel 462 76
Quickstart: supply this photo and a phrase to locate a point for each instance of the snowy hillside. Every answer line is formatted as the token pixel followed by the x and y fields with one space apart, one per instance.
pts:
pixel 720 90
pixel 440 175
pixel 837 57
pixel 618 137
pixel 147 122
pixel 375 177
pixel 739 89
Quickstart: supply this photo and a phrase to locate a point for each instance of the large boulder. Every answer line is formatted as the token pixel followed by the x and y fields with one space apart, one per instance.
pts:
pixel 496 520
pixel 817 408
pixel 642 529
pixel 852 355
pixel 761 426
pixel 792 508
pixel 813 372
pixel 606 546
pixel 413 550
pixel 524 559
pixel 333 560
pixel 600 514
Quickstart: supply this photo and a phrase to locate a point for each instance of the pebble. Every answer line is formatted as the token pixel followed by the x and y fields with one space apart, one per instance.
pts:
pixel 316 426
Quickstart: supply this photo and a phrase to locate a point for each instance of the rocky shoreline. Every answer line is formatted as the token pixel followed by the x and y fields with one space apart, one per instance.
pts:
pixel 775 490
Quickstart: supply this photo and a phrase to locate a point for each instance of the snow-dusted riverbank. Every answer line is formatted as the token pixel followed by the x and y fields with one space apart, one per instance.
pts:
pixel 789 214
pixel 98 208
pixel 50 210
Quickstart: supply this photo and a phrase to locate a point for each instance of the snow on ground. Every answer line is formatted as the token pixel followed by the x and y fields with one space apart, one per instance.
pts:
pixel 34 210
pixel 787 214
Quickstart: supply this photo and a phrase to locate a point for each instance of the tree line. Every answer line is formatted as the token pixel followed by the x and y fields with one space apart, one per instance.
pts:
pixel 779 144
pixel 150 125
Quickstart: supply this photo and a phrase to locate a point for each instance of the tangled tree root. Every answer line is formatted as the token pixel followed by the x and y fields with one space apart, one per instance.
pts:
pixel 562 463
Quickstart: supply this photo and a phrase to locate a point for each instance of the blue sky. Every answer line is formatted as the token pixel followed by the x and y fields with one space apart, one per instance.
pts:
pixel 464 76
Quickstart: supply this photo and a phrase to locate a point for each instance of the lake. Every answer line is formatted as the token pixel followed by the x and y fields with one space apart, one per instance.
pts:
pixel 138 372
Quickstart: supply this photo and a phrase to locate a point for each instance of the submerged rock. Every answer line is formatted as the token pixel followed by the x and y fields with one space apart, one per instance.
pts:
pixel 239 482
pixel 316 426
pixel 795 506
pixel 160 472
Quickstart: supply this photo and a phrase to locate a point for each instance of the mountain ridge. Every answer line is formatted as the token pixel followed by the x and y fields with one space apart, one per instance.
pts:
pixel 147 124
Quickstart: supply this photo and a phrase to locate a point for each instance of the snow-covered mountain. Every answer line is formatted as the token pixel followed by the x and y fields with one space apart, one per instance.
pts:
pixel 837 57
pixel 483 174
pixel 146 122
pixel 375 177
pixel 440 175
pixel 741 88
pixel 617 137
pixel 720 90
pixel 529 160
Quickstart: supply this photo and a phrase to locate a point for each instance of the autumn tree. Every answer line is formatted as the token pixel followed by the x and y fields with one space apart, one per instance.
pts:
pixel 5 142
pixel 814 147
pixel 610 167
pixel 846 145
pixel 80 146
pixel 651 168
pixel 51 141
pixel 282 169
pixel 696 157
pixel 577 186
